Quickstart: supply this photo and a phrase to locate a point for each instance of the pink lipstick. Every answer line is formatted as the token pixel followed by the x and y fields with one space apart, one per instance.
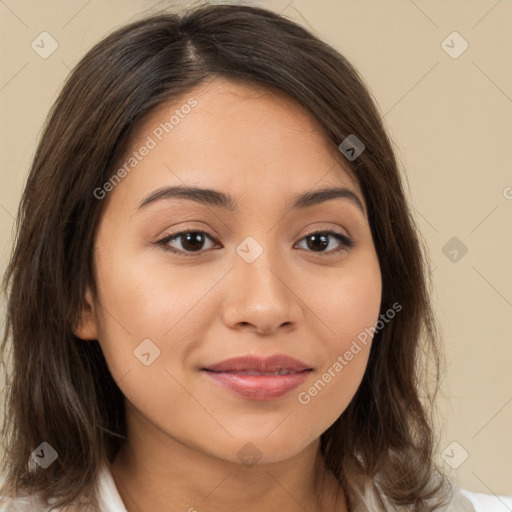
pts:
pixel 259 378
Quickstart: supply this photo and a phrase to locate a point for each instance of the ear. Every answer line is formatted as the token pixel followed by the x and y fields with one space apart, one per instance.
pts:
pixel 87 328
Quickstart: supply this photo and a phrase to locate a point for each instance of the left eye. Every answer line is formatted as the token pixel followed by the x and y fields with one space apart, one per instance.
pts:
pixel 320 240
pixel 193 242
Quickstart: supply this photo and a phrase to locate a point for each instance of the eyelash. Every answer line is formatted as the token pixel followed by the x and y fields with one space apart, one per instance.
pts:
pixel 346 242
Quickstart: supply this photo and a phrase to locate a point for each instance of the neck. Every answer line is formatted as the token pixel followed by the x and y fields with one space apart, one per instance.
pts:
pixel 157 473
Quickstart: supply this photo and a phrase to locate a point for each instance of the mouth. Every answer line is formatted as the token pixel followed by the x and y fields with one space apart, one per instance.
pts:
pixel 281 371
pixel 257 378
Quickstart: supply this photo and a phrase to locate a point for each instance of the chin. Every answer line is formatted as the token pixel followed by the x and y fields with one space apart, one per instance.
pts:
pixel 260 449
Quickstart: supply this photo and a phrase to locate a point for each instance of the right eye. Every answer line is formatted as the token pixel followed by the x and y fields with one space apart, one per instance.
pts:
pixel 191 242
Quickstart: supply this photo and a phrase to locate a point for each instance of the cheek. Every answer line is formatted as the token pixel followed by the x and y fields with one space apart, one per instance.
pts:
pixel 146 317
pixel 148 299
pixel 351 312
pixel 141 301
pixel 350 305
pixel 350 309
pixel 327 396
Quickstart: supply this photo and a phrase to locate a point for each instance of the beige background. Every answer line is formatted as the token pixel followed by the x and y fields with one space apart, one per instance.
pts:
pixel 451 120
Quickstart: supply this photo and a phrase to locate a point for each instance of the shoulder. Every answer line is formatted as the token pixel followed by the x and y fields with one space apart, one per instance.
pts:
pixel 36 504
pixel 107 494
pixel 461 500
pixel 22 504
pixel 483 502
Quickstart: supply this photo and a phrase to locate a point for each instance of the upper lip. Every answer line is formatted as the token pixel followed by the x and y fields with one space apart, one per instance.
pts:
pixel 259 364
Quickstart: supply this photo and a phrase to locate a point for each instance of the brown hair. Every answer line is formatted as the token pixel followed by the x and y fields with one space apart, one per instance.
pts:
pixel 60 389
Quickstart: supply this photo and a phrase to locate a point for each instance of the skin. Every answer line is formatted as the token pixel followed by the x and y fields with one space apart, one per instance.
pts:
pixel 184 432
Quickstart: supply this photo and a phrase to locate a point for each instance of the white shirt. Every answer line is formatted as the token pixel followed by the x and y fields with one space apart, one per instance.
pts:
pixel 110 500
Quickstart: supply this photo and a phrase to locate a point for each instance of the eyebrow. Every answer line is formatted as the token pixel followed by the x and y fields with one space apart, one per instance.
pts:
pixel 212 197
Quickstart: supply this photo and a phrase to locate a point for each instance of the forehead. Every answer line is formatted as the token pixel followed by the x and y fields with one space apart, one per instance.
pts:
pixel 237 137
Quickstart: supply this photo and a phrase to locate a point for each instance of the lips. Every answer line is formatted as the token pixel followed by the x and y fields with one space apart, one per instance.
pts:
pixel 259 378
pixel 263 365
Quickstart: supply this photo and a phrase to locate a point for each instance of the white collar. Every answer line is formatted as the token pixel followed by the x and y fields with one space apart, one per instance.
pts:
pixel 109 498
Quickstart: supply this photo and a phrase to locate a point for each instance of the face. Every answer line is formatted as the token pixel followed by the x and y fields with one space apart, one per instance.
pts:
pixel 188 282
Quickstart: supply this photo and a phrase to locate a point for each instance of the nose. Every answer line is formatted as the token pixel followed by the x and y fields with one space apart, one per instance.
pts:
pixel 260 297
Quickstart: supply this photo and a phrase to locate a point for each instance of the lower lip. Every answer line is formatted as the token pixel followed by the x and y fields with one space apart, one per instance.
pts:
pixel 258 387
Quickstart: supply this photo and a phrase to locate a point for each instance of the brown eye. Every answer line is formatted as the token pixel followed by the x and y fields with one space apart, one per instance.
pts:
pixel 321 240
pixel 193 242
pixel 190 242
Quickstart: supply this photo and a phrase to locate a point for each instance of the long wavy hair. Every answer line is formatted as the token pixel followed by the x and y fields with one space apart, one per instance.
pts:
pixel 59 388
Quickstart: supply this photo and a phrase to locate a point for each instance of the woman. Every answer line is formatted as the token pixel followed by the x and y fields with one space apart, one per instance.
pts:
pixel 217 291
